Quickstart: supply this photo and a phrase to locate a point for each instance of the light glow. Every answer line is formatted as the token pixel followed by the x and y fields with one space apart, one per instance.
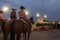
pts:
pixel 5 8
pixel 45 16
pixel 37 14
pixel 26 12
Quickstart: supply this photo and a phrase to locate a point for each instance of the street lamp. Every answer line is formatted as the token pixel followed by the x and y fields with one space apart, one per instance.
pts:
pixel 5 8
pixel 26 12
pixel 45 16
pixel 37 14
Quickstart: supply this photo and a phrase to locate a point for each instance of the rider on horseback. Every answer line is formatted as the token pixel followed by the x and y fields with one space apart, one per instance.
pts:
pixel 13 19
pixel 13 14
pixel 22 14
pixel 23 18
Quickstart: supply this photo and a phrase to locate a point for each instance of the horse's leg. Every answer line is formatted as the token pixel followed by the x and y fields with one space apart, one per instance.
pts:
pixel 4 36
pixel 28 35
pixel 3 30
pixel 7 34
pixel 18 36
pixel 25 35
pixel 12 36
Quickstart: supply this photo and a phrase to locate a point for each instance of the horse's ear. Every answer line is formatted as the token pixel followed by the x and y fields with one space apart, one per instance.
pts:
pixel 31 18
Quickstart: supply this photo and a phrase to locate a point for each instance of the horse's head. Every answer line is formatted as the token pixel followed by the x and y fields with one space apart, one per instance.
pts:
pixel 32 20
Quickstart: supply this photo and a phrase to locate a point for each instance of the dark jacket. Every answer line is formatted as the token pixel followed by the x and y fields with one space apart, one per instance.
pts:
pixel 13 15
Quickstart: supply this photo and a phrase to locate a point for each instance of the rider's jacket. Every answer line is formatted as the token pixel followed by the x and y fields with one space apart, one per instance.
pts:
pixel 21 14
pixel 13 15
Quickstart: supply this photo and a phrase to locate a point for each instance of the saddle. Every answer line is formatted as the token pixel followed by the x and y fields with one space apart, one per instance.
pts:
pixel 25 21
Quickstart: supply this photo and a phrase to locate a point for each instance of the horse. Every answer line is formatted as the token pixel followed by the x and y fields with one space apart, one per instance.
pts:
pixel 2 22
pixel 19 27
pixel 32 22
pixel 5 29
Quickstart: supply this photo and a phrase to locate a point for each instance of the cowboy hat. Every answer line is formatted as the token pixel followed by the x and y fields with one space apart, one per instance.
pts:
pixel 13 8
pixel 22 7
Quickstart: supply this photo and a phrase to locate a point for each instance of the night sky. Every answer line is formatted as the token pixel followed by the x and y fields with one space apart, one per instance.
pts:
pixel 49 7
